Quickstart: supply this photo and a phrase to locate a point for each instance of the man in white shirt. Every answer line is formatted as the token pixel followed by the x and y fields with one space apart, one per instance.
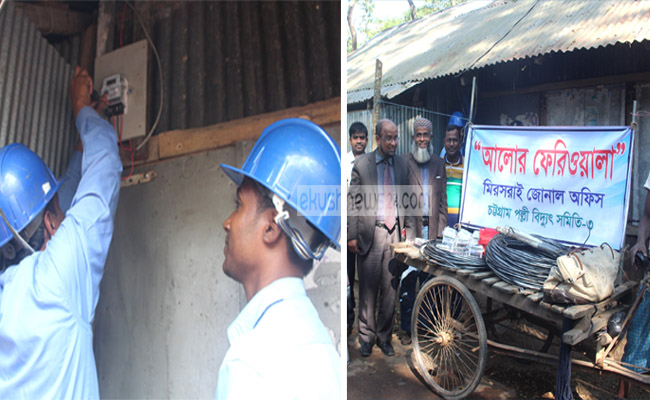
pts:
pixel 358 142
pixel 279 348
pixel 52 264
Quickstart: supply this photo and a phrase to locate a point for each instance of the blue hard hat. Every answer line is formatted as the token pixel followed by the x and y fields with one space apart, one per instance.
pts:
pixel 26 186
pixel 295 158
pixel 457 119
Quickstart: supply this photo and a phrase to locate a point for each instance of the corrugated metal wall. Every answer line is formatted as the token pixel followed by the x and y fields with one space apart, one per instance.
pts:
pixel 34 81
pixel 592 106
pixel 70 49
pixel 227 60
pixel 403 117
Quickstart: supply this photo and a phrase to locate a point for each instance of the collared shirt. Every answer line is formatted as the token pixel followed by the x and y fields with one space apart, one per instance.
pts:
pixel 48 300
pixel 348 165
pixel 424 174
pixel 279 349
pixel 381 167
pixel 647 183
pixel 454 184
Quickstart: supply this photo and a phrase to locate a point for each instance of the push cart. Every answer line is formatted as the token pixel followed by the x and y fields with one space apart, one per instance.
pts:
pixel 450 340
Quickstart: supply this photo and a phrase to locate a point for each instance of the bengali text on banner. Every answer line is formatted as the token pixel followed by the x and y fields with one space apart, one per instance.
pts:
pixel 567 183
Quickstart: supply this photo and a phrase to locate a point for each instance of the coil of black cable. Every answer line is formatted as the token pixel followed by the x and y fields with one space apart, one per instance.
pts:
pixel 520 264
pixel 438 255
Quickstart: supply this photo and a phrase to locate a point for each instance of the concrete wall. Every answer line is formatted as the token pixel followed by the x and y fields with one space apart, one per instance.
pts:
pixel 160 326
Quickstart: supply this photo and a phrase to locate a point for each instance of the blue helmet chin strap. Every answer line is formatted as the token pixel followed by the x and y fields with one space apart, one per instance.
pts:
pixel 17 235
pixel 297 239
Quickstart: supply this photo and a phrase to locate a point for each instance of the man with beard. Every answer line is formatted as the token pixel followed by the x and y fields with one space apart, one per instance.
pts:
pixel 373 224
pixel 429 181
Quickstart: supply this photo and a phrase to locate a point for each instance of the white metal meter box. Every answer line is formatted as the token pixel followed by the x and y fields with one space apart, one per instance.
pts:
pixel 116 87
pixel 123 75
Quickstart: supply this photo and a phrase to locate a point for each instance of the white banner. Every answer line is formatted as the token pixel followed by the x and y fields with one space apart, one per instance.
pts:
pixel 566 183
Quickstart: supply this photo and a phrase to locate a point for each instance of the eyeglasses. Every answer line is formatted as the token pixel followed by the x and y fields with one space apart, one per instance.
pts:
pixel 390 138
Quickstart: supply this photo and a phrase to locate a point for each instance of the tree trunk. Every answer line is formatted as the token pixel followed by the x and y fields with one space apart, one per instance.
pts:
pixel 413 16
pixel 353 32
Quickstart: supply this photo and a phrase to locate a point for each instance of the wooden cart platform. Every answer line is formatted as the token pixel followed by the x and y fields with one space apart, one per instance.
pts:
pixel 589 318
pixel 586 320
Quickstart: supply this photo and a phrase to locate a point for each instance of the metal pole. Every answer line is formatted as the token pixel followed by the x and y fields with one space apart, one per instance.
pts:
pixel 465 132
pixel 376 99
pixel 471 104
pixel 636 176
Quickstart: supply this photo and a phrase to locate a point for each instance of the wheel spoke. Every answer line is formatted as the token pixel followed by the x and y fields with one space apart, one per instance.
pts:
pixel 436 309
pixel 447 304
pixel 467 346
pixel 429 347
pixel 428 312
pixel 469 358
pixel 450 344
pixel 428 315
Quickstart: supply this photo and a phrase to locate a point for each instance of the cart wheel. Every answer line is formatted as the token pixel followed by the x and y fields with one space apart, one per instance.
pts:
pixel 450 343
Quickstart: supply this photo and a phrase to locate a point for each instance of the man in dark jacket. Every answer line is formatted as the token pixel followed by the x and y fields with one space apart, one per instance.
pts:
pixel 374 222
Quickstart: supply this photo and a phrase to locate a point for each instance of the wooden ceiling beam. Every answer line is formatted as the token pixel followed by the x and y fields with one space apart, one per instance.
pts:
pixel 53 20
pixel 180 142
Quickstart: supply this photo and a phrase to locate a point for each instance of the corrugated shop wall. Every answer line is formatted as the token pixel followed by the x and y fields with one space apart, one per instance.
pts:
pixel 227 60
pixel 34 81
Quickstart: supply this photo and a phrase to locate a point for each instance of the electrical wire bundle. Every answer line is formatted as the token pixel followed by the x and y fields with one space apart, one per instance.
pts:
pixel 435 254
pixel 520 264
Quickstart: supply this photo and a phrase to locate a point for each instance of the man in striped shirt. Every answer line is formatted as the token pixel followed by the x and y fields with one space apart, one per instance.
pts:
pixel 454 167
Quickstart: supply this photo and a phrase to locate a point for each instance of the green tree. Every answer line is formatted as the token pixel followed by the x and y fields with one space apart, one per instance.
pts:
pixel 371 26
pixel 367 7
pixel 432 6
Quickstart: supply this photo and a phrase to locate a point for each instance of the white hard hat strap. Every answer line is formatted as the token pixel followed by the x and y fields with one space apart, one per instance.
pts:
pixel 297 240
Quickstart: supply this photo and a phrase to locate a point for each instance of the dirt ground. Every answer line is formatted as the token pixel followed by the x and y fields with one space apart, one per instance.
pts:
pixel 380 377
